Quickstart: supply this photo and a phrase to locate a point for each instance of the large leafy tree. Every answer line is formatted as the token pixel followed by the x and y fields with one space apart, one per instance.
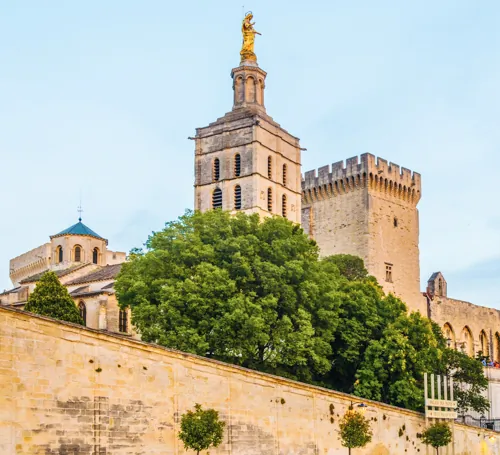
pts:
pixel 255 293
pixel 469 381
pixel 236 288
pixel 51 298
pixel 393 366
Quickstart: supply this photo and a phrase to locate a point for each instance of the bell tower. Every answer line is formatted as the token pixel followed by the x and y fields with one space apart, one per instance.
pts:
pixel 245 161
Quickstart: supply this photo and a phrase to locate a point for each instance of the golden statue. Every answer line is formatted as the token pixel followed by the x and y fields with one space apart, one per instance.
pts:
pixel 247 49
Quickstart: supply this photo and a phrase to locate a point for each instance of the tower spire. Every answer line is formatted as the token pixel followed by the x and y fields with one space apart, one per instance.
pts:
pixel 80 210
pixel 248 78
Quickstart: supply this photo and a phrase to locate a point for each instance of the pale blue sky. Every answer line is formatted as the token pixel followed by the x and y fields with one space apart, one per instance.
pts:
pixel 100 96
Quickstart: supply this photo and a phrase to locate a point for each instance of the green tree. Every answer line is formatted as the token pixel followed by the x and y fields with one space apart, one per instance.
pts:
pixel 236 288
pixel 355 430
pixel 437 435
pixel 469 381
pixel 255 293
pixel 351 267
pixel 51 298
pixel 201 429
pixel 393 367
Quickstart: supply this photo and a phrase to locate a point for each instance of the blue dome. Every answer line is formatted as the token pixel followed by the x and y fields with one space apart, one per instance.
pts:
pixel 78 229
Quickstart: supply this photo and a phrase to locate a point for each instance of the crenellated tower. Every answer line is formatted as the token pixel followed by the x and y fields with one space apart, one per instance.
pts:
pixel 368 208
pixel 245 161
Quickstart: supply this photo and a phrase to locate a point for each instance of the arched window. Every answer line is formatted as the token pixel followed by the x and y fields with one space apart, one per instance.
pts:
pixel 237 165
pixel 269 200
pixel 59 254
pixel 95 256
pixel 83 312
pixel 269 167
pixel 497 347
pixel 78 253
pixel 216 170
pixel 483 343
pixel 449 335
pixel 217 199
pixel 123 321
pixel 284 174
pixel 467 343
pixel 237 197
pixel 283 205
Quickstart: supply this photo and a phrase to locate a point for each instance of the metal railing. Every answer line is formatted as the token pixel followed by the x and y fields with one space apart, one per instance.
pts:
pixel 481 422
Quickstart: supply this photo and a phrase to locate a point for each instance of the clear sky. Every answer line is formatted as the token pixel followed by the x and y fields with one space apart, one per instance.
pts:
pixel 100 97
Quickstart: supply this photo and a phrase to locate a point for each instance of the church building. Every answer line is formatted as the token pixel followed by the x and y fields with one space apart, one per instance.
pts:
pixel 84 264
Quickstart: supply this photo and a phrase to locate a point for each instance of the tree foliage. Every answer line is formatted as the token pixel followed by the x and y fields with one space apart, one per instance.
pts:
pixel 355 429
pixel 235 289
pixel 201 429
pixel 469 381
pixel 437 435
pixel 256 293
pixel 50 298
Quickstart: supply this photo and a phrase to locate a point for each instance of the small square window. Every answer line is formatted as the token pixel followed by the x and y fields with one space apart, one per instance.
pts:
pixel 388 272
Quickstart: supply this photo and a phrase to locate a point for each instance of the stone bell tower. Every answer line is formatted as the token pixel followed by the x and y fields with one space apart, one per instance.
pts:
pixel 245 161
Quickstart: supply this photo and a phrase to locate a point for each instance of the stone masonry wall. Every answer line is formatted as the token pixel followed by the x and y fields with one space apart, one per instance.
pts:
pixel 71 390
pixel 464 321
pixel 368 207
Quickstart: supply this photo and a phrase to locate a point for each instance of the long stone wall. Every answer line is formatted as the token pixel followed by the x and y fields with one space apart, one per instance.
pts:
pixel 68 390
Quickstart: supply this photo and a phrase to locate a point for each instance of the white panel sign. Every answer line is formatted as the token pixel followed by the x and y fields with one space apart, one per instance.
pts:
pixel 440 403
pixel 442 414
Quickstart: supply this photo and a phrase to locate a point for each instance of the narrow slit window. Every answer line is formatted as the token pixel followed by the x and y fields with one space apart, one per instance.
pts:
pixel 283 206
pixel 284 174
pixel 217 199
pixel 83 312
pixel 269 167
pixel 216 170
pixel 237 197
pixel 388 272
pixel 123 321
pixel 237 165
pixel 59 254
pixel 269 200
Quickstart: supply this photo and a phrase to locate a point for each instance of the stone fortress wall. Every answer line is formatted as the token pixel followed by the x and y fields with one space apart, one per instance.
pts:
pixel 69 389
pixel 30 263
pixel 368 208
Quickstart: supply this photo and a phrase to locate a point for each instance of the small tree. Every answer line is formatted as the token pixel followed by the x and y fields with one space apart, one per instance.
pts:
pixel 355 430
pixel 437 435
pixel 201 429
pixel 50 298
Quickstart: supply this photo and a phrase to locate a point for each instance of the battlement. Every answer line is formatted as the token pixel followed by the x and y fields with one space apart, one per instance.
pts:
pixel 359 172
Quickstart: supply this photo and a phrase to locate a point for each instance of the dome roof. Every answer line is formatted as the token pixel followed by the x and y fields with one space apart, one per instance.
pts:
pixel 78 229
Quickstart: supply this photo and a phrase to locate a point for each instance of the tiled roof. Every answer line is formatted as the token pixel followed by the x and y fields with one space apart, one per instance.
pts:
pixel 108 272
pixel 90 293
pixel 79 290
pixel 10 291
pixel 78 229
pixel 60 273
